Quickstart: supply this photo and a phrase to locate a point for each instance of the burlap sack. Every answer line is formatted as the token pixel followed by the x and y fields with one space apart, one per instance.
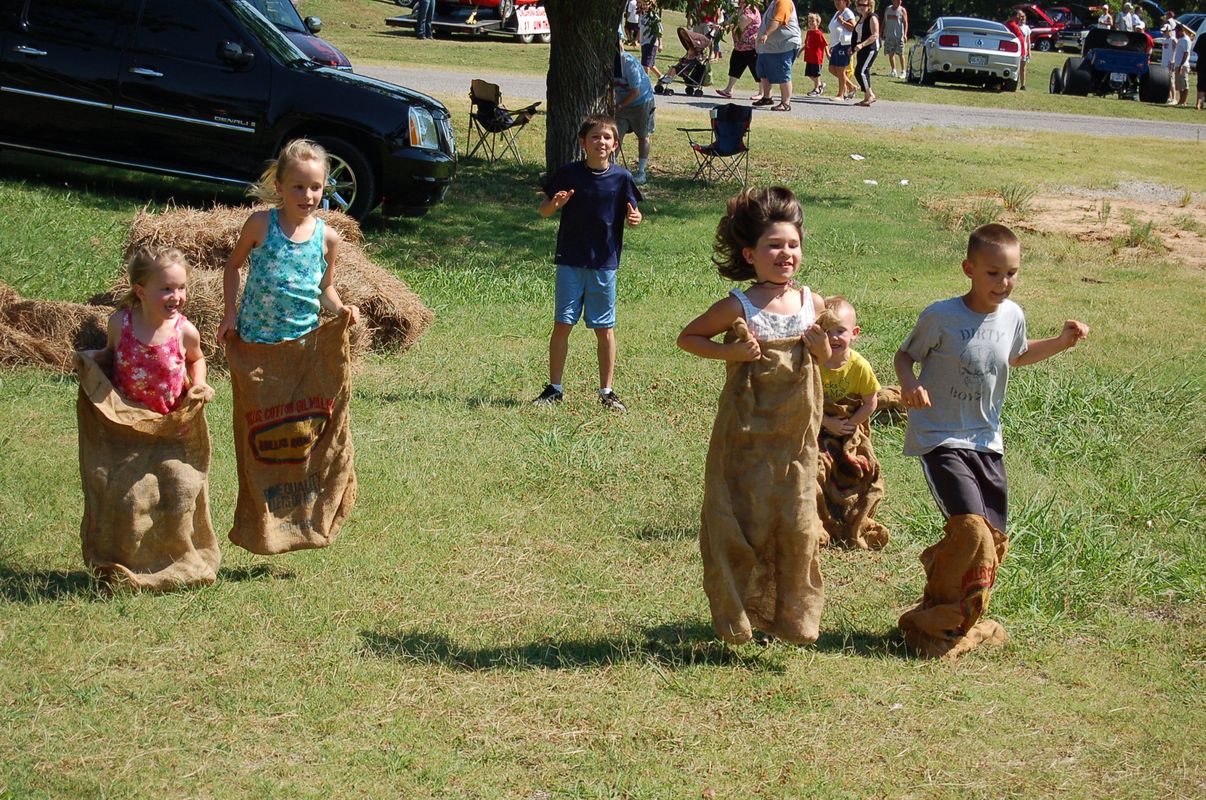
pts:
pixel 293 448
pixel 960 572
pixel 849 484
pixel 759 532
pixel 146 488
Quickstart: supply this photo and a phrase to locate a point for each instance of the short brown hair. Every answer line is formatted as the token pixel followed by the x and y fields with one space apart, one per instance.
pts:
pixel 837 304
pixel 746 216
pixel 598 120
pixel 992 236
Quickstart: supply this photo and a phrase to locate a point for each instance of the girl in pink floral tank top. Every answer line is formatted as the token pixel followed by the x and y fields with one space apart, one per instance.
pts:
pixel 152 346
pixel 151 374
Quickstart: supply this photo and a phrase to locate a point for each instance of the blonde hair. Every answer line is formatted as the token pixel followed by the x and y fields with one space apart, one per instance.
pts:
pixel 143 264
pixel 837 304
pixel 293 152
pixel 813 18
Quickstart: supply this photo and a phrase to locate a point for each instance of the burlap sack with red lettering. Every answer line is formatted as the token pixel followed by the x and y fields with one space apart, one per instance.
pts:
pixel 849 483
pixel 146 519
pixel 759 533
pixel 960 572
pixel 293 448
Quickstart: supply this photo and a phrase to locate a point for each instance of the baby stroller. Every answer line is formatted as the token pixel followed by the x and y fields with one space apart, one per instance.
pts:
pixel 693 67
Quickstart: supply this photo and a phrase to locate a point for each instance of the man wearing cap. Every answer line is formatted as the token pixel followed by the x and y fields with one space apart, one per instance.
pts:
pixel 1127 18
pixel 1180 65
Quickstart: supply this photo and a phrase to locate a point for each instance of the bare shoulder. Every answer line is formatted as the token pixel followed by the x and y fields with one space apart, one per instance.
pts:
pixel 256 226
pixel 189 333
pixel 818 303
pixel 331 237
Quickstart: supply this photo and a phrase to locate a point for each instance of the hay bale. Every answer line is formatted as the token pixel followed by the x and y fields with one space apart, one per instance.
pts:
pixel 45 333
pixel 207 237
pixel 392 316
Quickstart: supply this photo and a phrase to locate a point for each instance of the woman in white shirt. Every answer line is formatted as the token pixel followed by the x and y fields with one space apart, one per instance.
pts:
pixel 841 33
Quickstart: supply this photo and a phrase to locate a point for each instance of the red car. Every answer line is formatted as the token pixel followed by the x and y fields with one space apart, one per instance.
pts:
pixel 1043 29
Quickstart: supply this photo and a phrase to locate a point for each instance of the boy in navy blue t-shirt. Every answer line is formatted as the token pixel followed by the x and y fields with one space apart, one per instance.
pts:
pixel 596 199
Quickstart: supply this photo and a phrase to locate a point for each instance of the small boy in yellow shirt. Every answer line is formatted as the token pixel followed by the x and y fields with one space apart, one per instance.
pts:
pixel 850 483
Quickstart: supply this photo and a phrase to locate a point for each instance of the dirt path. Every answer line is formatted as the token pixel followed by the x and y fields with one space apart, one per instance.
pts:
pixel 885 113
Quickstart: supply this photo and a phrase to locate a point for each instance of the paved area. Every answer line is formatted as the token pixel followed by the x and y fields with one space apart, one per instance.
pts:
pixel 884 113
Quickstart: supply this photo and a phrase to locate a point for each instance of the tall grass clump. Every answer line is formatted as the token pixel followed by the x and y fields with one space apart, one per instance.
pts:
pixel 1017 197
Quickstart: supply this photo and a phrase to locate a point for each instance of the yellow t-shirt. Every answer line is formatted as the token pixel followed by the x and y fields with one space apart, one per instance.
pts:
pixel 855 377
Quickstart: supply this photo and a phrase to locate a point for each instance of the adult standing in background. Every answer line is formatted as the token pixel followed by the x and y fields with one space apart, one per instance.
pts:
pixel 743 55
pixel 635 108
pixel 1106 20
pixel 777 44
pixel 866 47
pixel 896 33
pixel 632 23
pixel 1018 27
pixel 1126 18
pixel 651 35
pixel 841 34
pixel 424 15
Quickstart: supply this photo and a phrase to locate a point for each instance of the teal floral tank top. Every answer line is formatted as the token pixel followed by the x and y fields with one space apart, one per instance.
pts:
pixel 280 298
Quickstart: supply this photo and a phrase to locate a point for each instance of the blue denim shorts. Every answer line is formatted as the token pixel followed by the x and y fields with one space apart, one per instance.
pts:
pixel 775 68
pixel 591 290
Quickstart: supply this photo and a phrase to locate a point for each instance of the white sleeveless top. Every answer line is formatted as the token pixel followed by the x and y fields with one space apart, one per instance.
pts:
pixel 767 326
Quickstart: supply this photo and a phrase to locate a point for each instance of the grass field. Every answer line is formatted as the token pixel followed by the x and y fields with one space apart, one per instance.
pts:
pixel 514 609
pixel 359 29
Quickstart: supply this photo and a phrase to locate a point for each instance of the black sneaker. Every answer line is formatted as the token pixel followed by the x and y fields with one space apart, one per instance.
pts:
pixel 548 396
pixel 612 402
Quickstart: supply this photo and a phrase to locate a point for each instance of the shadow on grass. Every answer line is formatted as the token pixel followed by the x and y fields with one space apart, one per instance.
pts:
pixel 258 572
pixel 674 533
pixel 869 645
pixel 675 645
pixel 110 188
pixel 35 586
pixel 410 398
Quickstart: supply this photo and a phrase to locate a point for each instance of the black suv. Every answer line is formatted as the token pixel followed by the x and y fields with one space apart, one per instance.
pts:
pixel 210 89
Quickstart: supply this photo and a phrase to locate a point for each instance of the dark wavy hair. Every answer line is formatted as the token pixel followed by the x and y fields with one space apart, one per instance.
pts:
pixel 746 216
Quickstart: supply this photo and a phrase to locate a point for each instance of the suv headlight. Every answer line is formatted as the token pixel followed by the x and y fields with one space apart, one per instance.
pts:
pixel 423 132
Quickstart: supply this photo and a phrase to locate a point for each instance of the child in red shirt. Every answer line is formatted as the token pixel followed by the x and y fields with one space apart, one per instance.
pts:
pixel 815 48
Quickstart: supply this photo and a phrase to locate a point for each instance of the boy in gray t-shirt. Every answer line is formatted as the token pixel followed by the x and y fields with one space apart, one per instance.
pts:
pixel 966 346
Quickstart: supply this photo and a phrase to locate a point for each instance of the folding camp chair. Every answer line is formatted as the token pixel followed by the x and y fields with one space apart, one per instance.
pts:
pixel 496 127
pixel 727 155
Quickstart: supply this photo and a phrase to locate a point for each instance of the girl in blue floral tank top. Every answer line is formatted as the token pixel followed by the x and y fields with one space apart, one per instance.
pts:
pixel 292 254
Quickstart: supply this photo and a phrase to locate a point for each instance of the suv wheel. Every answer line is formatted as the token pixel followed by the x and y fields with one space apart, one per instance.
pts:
pixel 351 184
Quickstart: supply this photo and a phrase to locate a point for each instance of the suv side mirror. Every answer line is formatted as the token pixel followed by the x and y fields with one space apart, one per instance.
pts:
pixel 233 53
pixel 313 24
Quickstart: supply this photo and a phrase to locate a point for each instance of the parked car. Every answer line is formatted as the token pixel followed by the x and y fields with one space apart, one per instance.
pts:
pixel 1113 62
pixel 302 32
pixel 210 89
pixel 1043 28
pixel 966 50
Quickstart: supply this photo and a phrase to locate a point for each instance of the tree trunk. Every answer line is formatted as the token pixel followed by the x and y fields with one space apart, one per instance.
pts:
pixel 581 61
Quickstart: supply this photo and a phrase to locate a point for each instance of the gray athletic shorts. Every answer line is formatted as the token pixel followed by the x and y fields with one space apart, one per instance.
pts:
pixel 893 46
pixel 638 119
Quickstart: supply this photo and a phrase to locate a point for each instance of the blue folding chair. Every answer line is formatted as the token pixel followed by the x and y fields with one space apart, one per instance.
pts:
pixel 727 155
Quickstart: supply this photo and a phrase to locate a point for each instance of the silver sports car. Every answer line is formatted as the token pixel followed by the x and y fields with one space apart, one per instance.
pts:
pixel 966 50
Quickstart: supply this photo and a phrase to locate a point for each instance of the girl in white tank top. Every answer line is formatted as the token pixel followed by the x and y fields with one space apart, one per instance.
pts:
pixel 759 239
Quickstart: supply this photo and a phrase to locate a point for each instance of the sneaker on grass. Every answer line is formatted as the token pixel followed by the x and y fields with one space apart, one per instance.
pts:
pixel 612 402
pixel 548 396
pixel 640 178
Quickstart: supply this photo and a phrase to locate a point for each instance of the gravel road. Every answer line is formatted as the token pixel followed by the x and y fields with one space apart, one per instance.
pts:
pixel 885 113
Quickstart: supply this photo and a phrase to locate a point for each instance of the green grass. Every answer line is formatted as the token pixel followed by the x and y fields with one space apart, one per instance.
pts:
pixel 514 609
pixel 359 29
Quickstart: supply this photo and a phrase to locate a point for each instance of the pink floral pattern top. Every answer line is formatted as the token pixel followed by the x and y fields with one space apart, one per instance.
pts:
pixel 151 374
pixel 743 38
